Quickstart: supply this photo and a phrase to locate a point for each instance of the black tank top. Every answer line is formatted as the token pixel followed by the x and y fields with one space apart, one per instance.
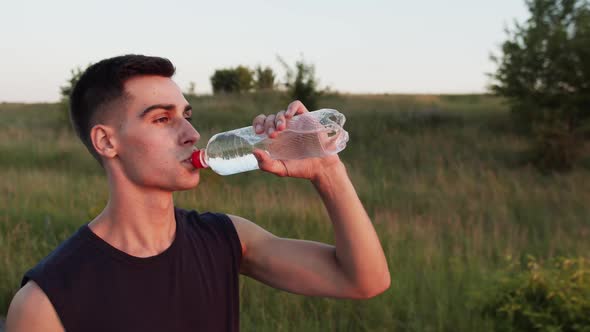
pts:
pixel 191 286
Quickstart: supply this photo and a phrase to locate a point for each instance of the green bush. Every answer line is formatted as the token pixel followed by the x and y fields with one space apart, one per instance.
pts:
pixel 544 72
pixel 265 78
pixel 536 297
pixel 65 91
pixel 302 83
pixel 232 80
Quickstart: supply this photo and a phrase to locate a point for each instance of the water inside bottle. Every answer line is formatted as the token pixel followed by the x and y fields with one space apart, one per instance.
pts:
pixel 235 165
pixel 231 154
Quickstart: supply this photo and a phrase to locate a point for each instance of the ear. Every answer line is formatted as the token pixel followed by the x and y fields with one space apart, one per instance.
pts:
pixel 103 140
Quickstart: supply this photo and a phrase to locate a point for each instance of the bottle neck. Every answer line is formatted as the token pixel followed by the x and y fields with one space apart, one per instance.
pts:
pixel 199 159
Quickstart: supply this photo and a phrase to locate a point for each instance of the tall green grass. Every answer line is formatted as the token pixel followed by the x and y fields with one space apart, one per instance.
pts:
pixel 442 178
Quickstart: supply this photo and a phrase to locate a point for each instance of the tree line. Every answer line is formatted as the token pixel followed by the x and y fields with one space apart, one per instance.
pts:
pixel 543 73
pixel 300 81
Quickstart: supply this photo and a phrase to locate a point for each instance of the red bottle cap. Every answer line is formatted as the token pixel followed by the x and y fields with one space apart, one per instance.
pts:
pixel 197 159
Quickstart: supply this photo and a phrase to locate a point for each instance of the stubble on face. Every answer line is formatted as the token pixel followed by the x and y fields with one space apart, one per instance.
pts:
pixel 149 152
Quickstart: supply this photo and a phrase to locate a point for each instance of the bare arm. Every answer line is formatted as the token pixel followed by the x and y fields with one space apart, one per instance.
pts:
pixel 31 311
pixel 358 250
pixel 297 266
pixel 354 268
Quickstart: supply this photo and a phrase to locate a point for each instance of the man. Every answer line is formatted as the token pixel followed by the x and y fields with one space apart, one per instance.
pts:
pixel 145 265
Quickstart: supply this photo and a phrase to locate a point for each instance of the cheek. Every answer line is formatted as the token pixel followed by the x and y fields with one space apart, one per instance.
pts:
pixel 139 152
pixel 135 149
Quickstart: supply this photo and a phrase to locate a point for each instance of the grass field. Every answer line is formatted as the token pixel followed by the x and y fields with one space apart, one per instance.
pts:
pixel 442 178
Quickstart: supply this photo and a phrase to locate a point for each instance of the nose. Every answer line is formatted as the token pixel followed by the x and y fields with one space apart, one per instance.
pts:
pixel 189 136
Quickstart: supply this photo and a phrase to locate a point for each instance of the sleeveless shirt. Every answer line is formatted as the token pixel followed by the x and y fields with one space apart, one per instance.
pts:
pixel 191 286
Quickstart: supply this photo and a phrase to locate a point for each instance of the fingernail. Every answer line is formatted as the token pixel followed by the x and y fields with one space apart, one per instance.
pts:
pixel 258 128
pixel 270 131
pixel 279 123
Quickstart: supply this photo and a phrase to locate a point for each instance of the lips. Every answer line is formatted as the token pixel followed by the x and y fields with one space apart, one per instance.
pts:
pixel 188 158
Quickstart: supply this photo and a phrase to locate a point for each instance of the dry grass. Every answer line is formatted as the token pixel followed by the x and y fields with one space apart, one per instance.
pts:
pixel 445 190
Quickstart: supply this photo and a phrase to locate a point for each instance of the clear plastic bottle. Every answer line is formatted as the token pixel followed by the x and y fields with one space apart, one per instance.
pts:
pixel 313 134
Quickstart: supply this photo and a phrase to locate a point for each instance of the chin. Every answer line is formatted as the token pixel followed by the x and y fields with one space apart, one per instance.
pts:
pixel 189 183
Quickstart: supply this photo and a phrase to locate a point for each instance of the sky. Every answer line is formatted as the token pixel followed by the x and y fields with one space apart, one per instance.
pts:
pixel 388 46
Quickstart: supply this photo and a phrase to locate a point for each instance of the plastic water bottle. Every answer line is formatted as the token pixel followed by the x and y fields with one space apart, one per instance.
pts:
pixel 312 134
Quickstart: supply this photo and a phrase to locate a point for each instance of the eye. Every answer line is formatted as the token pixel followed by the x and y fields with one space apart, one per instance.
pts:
pixel 163 119
pixel 188 115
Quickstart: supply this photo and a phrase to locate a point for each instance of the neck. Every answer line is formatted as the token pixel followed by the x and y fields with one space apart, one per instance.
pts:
pixel 136 220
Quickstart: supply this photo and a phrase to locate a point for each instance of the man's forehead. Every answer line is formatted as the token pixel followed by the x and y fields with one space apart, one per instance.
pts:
pixel 148 90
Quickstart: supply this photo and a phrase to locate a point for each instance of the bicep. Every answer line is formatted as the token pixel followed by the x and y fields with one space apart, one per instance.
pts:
pixel 31 310
pixel 298 266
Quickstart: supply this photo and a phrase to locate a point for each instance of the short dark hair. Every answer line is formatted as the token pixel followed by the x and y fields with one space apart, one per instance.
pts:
pixel 103 84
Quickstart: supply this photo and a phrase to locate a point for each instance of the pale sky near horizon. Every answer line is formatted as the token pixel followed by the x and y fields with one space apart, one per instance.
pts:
pixel 356 46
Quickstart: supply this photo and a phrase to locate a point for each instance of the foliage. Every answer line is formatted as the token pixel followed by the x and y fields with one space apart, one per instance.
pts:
pixel 541 298
pixel 65 91
pixel 544 72
pixel 265 78
pixel 232 80
pixel 302 83
pixel 556 145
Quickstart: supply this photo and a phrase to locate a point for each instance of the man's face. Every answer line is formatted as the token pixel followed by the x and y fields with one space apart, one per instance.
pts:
pixel 154 136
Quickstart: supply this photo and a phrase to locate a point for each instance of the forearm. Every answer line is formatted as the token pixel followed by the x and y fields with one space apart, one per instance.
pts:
pixel 358 250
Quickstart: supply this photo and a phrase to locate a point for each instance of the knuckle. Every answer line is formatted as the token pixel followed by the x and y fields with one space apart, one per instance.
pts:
pixel 259 118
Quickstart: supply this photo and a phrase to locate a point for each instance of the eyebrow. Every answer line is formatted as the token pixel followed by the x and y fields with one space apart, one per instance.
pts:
pixel 168 107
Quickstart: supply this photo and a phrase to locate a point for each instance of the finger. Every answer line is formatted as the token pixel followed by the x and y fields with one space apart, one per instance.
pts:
pixel 294 108
pixel 258 123
pixel 269 125
pixel 280 121
pixel 266 163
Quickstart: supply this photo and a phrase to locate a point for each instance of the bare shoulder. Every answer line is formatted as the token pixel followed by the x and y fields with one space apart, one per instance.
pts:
pixel 31 310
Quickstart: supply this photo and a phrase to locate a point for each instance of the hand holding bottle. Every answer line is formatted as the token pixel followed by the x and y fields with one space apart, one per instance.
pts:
pixel 308 168
pixel 294 134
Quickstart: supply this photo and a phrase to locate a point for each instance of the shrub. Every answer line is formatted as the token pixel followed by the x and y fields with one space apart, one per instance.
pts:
pixel 265 78
pixel 65 91
pixel 301 83
pixel 533 297
pixel 232 80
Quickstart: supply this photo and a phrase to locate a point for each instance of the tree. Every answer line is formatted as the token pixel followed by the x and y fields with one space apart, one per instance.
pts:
pixel 232 80
pixel 544 72
pixel 245 78
pixel 65 91
pixel 265 78
pixel 224 81
pixel 301 83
